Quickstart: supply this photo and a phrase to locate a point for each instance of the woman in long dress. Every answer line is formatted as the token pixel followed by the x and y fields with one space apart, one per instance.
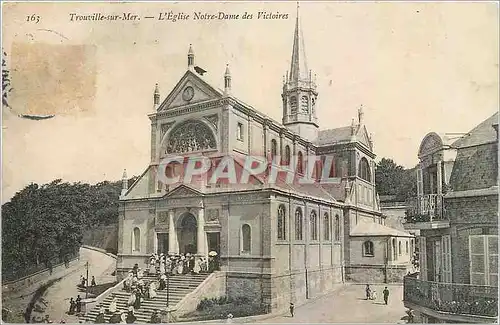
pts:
pixel 140 273
pixel 162 268
pixel 112 305
pixel 152 290
pixel 131 299
pixel 197 268
pixel 180 265
pixel 152 267
pixel 123 318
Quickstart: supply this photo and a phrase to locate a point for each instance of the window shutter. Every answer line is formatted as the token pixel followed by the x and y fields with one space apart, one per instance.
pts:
pixel 446 258
pixel 477 260
pixel 493 260
pixel 420 188
pixel 423 258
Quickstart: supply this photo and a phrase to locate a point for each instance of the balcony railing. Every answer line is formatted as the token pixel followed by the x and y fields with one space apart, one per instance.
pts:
pixel 453 298
pixel 425 208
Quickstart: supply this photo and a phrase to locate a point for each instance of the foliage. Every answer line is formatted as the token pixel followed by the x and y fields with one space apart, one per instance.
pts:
pixel 393 179
pixel 6 88
pixel 220 307
pixel 45 223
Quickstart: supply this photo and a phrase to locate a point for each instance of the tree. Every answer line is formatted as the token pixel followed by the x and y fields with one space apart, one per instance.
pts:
pixel 393 179
pixel 6 88
pixel 44 223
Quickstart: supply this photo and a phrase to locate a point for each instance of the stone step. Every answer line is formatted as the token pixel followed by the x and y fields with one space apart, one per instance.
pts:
pixel 179 287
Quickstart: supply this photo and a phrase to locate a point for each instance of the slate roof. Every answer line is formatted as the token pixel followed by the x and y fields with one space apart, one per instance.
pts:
pixel 483 133
pixel 476 164
pixel 364 228
pixel 331 136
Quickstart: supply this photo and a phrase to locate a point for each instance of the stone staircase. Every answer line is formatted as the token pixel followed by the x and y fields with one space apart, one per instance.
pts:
pixel 180 286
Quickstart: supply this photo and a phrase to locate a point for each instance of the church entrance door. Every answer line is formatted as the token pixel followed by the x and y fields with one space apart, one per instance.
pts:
pixel 187 234
pixel 162 240
pixel 213 242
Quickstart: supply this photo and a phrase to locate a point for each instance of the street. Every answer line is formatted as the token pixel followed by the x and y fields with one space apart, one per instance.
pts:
pixel 348 305
pixel 58 295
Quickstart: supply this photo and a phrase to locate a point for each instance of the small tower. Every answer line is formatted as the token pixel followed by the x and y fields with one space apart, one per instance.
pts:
pixel 190 57
pixel 124 182
pixel 227 81
pixel 156 98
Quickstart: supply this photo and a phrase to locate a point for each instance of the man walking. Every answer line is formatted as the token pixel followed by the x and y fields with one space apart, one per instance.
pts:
pixel 368 292
pixel 386 295
pixel 292 307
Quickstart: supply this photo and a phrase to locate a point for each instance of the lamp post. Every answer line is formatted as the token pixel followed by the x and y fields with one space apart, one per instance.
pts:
pixel 87 280
pixel 386 258
pixel 168 294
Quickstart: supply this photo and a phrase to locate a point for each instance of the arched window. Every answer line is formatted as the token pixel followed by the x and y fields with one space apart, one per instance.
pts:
pixel 274 148
pixel 400 251
pixel 314 225
pixel 287 155
pixel 300 162
pixel 394 252
pixel 304 104
pixel 364 170
pixel 368 248
pixel 281 222
pixel 337 228
pixel 298 224
pixel 136 240
pixel 293 105
pixel 326 227
pixel 246 238
pixel 190 136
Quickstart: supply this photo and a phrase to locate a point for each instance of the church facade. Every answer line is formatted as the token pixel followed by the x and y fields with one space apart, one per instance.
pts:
pixel 277 242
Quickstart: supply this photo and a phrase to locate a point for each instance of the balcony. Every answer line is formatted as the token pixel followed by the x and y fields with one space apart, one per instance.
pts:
pixel 426 212
pixel 451 301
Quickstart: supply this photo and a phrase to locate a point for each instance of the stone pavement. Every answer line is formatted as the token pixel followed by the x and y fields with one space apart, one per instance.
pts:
pixel 58 295
pixel 348 305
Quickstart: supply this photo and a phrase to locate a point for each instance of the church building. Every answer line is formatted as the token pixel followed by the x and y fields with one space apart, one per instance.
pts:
pixel 277 242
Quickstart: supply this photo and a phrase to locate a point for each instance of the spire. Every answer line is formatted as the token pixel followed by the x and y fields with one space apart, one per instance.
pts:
pixel 190 57
pixel 124 182
pixel 298 67
pixel 156 97
pixel 227 80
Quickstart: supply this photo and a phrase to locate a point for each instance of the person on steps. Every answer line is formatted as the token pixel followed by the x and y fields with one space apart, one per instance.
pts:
pixel 100 318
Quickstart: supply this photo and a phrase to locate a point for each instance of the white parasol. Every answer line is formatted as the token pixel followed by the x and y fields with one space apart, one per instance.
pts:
pixel 212 253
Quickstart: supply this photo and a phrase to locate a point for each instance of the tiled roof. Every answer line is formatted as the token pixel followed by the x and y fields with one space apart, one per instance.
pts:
pixel 364 228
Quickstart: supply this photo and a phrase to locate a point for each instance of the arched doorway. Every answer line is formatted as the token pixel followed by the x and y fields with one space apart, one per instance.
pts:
pixel 187 234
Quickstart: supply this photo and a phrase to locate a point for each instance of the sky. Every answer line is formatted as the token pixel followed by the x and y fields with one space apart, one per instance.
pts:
pixel 415 68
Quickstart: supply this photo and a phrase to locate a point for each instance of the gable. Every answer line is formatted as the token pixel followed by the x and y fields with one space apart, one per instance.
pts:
pixel 183 191
pixel 179 96
pixel 364 138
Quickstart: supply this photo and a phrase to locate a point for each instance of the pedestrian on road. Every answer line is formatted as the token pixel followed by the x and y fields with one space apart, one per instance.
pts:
pixel 292 307
pixel 92 283
pixel 386 295
pixel 78 304
pixel 368 292
pixel 72 306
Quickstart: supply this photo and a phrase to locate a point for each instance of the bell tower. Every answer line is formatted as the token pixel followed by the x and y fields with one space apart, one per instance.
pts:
pixel 299 91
